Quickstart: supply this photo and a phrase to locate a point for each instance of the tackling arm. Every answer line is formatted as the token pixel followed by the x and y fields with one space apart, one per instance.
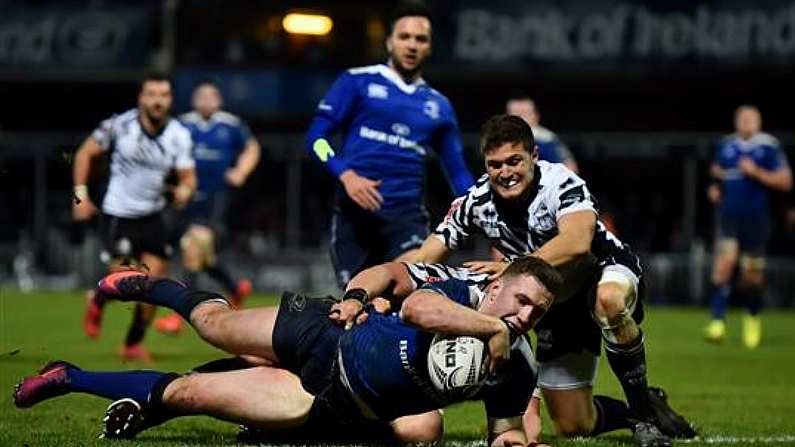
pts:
pixel 386 280
pixel 575 234
pixel 432 250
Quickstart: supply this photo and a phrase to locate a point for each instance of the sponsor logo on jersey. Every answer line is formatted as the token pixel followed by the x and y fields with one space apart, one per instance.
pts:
pixel 391 139
pixel 401 129
pixel 431 108
pixel 377 91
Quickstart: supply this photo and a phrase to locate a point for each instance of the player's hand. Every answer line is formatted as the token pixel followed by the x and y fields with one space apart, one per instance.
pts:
pixel 345 312
pixel 234 178
pixel 84 210
pixel 362 190
pixel 748 167
pixel 493 268
pixel 713 194
pixel 182 195
pixel 499 348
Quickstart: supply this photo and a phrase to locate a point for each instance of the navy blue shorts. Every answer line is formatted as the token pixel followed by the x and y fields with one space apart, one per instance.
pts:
pixel 751 232
pixel 131 237
pixel 306 341
pixel 360 239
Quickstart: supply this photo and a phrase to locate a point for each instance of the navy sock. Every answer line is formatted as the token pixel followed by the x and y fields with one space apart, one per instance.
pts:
pixel 135 334
pixel 221 274
pixel 719 300
pixel 628 362
pixel 611 414
pixel 136 385
pixel 176 296
pixel 753 299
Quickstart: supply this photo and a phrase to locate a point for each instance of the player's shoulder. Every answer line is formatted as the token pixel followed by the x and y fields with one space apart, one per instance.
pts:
pixel 542 135
pixel 765 139
pixel 123 118
pixel 365 70
pixel 230 119
pixel 190 118
pixel 557 175
pixel 178 129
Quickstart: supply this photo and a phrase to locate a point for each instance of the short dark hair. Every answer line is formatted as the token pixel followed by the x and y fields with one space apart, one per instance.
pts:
pixel 155 76
pixel 547 275
pixel 501 129
pixel 408 9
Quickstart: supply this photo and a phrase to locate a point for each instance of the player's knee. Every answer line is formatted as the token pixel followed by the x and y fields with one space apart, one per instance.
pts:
pixel 571 427
pixel 610 301
pixel 198 247
pixel 183 394
pixel 428 427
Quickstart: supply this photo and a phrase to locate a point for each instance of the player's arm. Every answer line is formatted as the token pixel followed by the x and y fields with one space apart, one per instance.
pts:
pixel 186 186
pixel 430 311
pixel 718 174
pixel 575 234
pixel 779 179
pixel 82 206
pixel 451 153
pixel 454 229
pixel 432 250
pixel 246 163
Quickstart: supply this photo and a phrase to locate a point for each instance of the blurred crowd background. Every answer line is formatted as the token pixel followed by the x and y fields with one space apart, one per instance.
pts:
pixel 639 91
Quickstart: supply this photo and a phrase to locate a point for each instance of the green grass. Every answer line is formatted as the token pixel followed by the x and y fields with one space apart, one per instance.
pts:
pixel 735 396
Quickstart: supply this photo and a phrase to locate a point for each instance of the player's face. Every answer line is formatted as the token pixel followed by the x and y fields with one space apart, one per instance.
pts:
pixel 748 122
pixel 207 100
pixel 409 45
pixel 510 169
pixel 522 300
pixel 524 109
pixel 155 100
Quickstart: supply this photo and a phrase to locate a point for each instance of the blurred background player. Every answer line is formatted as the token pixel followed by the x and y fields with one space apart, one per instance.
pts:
pixel 550 148
pixel 145 145
pixel 390 118
pixel 747 165
pixel 226 153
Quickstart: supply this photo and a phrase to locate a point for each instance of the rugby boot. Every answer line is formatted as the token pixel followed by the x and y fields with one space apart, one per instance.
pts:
pixel 135 353
pixel 242 290
pixel 715 331
pixel 124 419
pixel 52 381
pixel 171 324
pixel 669 421
pixel 92 319
pixel 752 331
pixel 125 285
pixel 646 434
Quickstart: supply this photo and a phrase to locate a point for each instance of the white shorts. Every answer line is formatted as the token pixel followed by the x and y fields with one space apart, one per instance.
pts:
pixel 568 372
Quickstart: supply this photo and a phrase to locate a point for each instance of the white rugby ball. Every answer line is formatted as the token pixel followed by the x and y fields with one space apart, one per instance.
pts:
pixel 457 366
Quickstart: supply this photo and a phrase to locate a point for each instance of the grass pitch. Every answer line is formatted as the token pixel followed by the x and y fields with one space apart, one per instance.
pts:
pixel 735 396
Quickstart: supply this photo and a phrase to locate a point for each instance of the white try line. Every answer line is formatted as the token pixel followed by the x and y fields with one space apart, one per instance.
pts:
pixel 714 439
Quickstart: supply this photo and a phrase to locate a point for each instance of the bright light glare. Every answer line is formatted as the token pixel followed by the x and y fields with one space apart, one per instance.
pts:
pixel 315 25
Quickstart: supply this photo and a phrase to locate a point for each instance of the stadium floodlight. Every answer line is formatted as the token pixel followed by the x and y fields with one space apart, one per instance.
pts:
pixel 312 24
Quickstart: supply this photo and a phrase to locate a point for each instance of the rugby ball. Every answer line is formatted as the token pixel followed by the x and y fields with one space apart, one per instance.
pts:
pixel 457 366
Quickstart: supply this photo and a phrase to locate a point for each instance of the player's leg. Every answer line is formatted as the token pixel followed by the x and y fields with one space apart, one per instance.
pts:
pixel 348 248
pixel 143 314
pixel 402 239
pixel 726 252
pixel 425 427
pixel 754 236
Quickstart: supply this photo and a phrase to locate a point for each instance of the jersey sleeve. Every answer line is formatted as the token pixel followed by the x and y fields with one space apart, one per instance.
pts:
pixel 333 112
pixel 454 289
pixel 456 226
pixel 572 195
pixel 507 394
pixel 184 159
pixel 451 153
pixel 776 159
pixel 104 133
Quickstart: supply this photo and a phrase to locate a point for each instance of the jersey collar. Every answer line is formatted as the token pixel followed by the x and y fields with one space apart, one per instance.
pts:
pixel 395 78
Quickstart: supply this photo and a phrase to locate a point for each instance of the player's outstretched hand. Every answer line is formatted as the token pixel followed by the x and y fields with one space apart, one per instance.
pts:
pixel 362 190
pixel 83 210
pixel 493 268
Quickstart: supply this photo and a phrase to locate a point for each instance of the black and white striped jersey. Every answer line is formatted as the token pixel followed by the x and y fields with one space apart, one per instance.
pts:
pixel 139 162
pixel 520 230
pixel 422 273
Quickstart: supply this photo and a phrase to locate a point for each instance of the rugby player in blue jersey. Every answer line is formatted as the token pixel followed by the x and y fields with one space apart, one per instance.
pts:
pixel 315 374
pixel 550 148
pixel 389 118
pixel 748 164
pixel 226 153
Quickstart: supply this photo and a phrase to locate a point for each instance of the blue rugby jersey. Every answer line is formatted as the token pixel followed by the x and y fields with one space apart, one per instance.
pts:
pixel 217 143
pixel 744 196
pixel 550 148
pixel 384 362
pixel 388 127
